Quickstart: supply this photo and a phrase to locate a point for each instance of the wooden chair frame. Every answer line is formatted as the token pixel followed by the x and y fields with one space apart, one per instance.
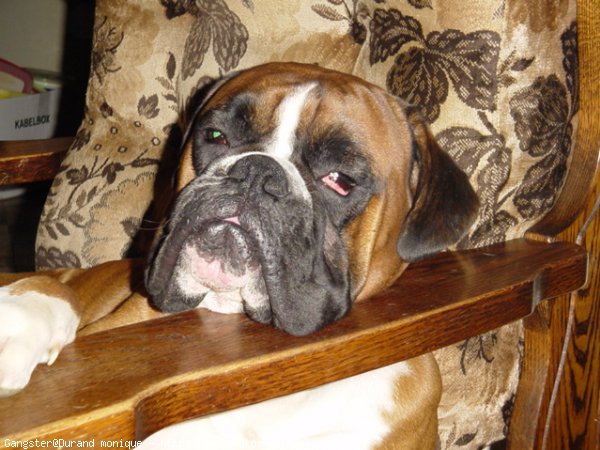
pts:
pixel 129 382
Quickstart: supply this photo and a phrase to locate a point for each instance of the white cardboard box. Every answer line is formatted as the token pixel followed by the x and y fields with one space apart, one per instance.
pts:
pixel 30 116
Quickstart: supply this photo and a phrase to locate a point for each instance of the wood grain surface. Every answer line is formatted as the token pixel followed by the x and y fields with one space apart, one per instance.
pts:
pixel 129 382
pixel 30 161
pixel 575 419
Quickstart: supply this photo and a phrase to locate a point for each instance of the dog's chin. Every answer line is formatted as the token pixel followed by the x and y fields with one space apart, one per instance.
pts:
pixel 217 268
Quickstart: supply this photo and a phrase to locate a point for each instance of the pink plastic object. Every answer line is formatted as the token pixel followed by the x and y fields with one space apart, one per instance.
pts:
pixel 20 80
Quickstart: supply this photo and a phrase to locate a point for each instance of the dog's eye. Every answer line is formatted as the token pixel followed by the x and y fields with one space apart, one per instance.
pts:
pixel 216 137
pixel 339 182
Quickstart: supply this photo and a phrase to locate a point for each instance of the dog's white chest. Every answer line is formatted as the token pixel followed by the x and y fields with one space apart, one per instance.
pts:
pixel 349 414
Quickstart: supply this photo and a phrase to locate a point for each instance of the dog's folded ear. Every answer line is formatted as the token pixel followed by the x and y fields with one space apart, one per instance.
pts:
pixel 444 204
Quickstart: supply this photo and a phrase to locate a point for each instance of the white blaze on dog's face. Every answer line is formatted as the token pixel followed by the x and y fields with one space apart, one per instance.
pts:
pixel 301 190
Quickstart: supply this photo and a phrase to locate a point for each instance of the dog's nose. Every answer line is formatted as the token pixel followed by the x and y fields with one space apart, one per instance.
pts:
pixel 260 172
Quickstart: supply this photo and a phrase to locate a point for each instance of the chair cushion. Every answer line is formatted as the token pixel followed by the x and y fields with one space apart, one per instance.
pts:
pixel 496 80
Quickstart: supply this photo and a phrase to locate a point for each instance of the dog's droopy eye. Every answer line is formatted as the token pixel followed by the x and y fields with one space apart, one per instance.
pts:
pixel 216 137
pixel 339 183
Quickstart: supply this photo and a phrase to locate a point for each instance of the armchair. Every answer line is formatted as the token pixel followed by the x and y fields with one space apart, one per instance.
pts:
pixel 109 385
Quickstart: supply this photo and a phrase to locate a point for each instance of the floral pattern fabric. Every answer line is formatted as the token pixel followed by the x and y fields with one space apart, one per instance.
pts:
pixel 496 79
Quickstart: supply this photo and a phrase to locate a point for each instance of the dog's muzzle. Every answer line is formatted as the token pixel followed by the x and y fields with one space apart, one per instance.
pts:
pixel 245 236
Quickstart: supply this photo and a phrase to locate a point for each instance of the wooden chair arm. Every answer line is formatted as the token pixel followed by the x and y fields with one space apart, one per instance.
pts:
pixel 29 161
pixel 129 382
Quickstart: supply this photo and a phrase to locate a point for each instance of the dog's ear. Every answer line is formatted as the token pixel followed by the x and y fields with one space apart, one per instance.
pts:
pixel 444 204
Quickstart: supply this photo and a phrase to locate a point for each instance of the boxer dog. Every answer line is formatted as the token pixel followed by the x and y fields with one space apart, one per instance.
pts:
pixel 299 191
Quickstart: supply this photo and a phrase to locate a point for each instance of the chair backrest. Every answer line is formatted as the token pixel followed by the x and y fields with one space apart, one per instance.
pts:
pixel 497 82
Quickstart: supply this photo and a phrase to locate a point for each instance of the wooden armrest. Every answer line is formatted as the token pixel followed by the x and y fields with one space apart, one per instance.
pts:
pixel 129 382
pixel 29 161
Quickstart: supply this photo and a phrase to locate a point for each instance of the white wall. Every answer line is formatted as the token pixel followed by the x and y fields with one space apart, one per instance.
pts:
pixel 31 32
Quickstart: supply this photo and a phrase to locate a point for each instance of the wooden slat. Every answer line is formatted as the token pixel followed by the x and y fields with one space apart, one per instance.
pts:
pixel 130 382
pixel 544 333
pixel 574 421
pixel 557 403
pixel 29 161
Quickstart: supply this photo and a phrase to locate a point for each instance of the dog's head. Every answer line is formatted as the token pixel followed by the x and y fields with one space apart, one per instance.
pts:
pixel 300 191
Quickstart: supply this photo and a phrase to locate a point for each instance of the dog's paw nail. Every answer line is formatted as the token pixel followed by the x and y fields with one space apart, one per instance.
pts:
pixel 53 354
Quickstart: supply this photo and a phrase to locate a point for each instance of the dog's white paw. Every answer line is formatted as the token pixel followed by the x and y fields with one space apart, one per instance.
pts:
pixel 34 327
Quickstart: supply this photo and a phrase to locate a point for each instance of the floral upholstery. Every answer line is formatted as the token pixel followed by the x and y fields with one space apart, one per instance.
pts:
pixel 496 79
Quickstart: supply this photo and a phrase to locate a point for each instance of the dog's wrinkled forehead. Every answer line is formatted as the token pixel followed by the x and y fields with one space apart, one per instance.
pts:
pixel 284 111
